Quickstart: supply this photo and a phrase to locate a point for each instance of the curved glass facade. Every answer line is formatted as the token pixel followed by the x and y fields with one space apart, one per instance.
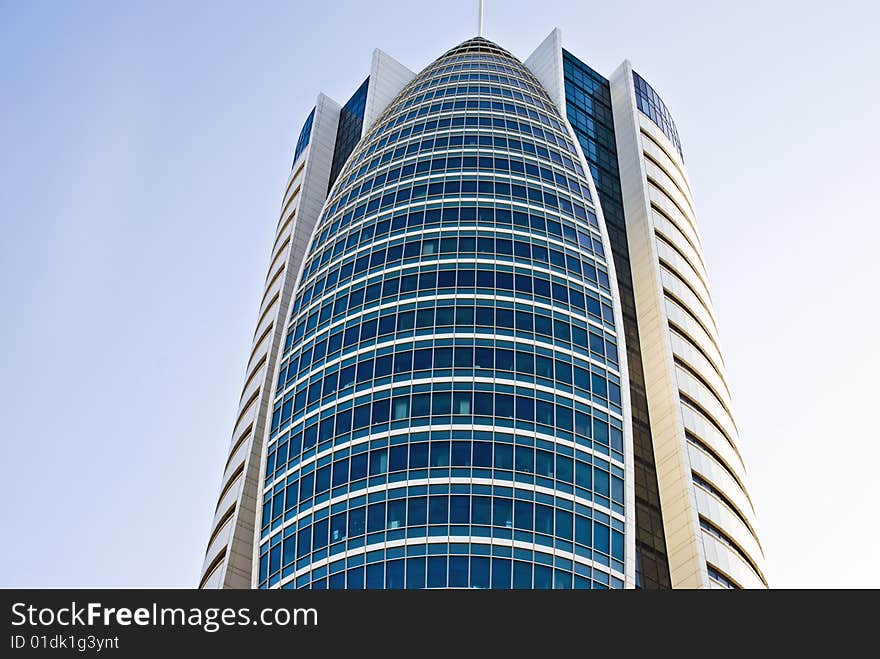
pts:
pixel 652 106
pixel 304 136
pixel 448 410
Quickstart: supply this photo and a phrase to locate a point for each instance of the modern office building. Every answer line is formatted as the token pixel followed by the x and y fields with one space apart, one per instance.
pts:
pixel 486 353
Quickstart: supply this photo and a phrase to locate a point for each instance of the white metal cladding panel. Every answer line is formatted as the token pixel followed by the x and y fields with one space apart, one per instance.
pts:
pixel 285 227
pixel 675 285
pixel 215 580
pixel 261 350
pixel 663 170
pixel 697 391
pixel 248 414
pixel 669 161
pixel 729 562
pixel 268 315
pixel 286 222
pixel 677 289
pixel 255 382
pixel 702 392
pixel 546 63
pixel 663 182
pixel 220 541
pixel 218 571
pixel 686 272
pixel 281 250
pixel 722 517
pixel 236 459
pixel 294 188
pixel 667 232
pixel 239 548
pixel 678 187
pixel 275 284
pixel 678 315
pixel 702 428
pixel 387 78
pixel 229 498
pixel 693 358
pixel 673 233
pixel 657 197
pixel 711 470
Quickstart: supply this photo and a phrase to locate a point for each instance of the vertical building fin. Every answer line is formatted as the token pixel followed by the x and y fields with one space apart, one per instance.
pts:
pixel 387 78
pixel 546 63
pixel 230 558
pixel 708 519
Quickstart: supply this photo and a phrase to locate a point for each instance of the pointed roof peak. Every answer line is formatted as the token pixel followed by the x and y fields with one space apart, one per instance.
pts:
pixel 478 44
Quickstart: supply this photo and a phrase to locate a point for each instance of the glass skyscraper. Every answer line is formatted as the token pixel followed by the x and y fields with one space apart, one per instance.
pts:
pixel 486 355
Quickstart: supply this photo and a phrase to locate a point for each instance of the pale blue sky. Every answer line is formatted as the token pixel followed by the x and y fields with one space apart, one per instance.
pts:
pixel 145 146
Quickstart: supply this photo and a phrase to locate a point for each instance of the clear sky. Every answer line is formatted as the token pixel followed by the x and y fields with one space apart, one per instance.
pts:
pixel 144 148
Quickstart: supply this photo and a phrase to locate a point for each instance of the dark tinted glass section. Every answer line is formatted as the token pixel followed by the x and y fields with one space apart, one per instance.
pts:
pixel 351 121
pixel 652 106
pixel 304 135
pixel 588 106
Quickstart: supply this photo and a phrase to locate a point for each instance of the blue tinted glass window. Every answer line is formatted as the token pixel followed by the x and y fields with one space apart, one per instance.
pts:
pixel 438 379
pixel 305 135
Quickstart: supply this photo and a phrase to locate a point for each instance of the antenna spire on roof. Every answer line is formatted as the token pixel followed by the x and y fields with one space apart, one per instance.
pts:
pixel 480 27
